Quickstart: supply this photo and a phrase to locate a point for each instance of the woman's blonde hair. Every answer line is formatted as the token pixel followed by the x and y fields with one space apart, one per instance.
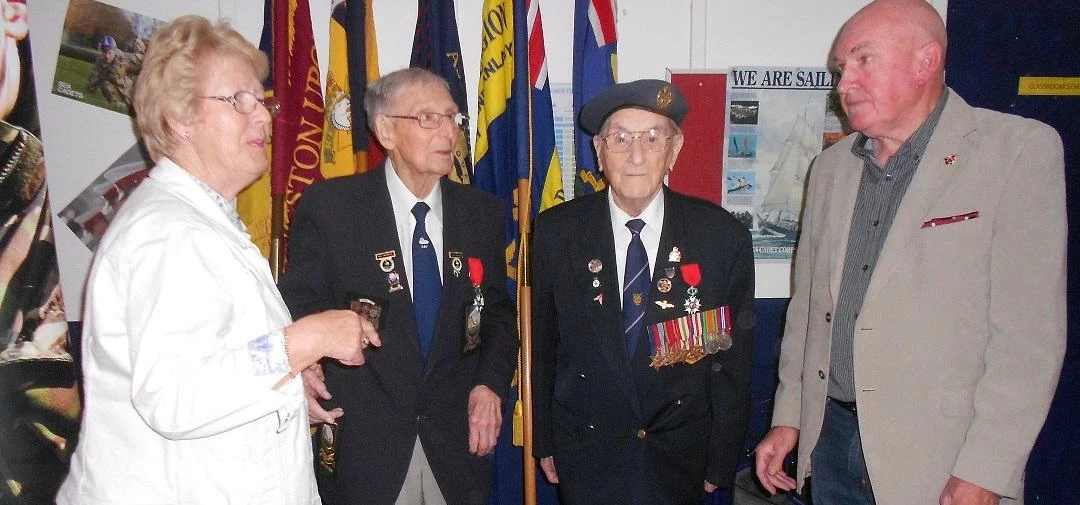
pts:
pixel 174 66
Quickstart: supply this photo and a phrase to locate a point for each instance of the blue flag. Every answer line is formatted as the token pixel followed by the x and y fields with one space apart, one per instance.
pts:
pixel 437 48
pixel 594 71
pixel 515 107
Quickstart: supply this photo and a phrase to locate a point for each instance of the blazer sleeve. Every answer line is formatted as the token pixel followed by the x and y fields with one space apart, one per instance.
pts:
pixel 545 341
pixel 730 375
pixel 498 353
pixel 305 284
pixel 1027 336
pixel 787 404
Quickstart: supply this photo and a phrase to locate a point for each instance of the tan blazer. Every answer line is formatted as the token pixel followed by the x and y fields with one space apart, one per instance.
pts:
pixel 961 336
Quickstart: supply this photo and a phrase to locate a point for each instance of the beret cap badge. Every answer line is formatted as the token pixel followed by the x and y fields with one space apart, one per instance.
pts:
pixel 664 98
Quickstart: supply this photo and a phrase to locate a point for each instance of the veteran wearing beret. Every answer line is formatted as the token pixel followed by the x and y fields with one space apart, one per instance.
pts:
pixel 642 318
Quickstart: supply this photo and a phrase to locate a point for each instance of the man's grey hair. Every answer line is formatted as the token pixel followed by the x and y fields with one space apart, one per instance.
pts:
pixel 381 94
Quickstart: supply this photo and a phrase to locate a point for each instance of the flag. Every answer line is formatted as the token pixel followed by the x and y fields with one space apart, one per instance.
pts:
pixel 546 172
pixel 515 130
pixel 348 146
pixel 337 141
pixel 502 142
pixel 363 63
pixel 515 143
pixel 595 70
pixel 297 133
pixel 436 47
pixel 253 203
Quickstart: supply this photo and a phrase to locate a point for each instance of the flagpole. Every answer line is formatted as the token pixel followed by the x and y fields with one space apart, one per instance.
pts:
pixel 525 293
pixel 277 232
pixel 525 311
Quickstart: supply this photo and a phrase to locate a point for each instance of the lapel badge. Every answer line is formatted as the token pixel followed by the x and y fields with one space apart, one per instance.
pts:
pixel 455 262
pixel 595 282
pixel 386 260
pixel 599 298
pixel 595 266
pixel 394 280
pixel 950 159
pixel 669 272
pixel 387 265
pixel 663 285
pixel 675 256
pixel 664 304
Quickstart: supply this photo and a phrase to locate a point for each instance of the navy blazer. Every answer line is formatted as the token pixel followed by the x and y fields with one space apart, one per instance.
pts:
pixel 339 228
pixel 621 431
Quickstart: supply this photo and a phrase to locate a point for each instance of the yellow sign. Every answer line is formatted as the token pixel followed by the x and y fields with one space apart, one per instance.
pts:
pixel 1050 86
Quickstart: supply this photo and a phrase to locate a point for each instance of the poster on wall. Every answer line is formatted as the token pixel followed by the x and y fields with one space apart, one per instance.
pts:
pixel 779 119
pixel 89 214
pixel 101 51
pixel 39 405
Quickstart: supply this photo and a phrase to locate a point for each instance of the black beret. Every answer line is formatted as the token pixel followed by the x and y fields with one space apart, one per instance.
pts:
pixel 652 95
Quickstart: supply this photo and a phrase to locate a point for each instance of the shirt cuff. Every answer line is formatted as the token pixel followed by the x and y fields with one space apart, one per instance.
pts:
pixel 268 354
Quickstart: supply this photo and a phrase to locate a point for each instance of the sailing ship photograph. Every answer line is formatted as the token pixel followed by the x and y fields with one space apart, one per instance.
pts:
pixel 777 147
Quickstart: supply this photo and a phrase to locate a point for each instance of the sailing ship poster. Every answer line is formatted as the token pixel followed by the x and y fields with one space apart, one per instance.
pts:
pixel 777 123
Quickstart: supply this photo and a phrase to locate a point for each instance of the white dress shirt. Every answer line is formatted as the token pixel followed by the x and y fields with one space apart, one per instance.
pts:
pixel 181 349
pixel 403 201
pixel 653 215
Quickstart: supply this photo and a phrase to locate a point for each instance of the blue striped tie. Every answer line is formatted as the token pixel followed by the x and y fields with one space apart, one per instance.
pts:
pixel 427 283
pixel 635 286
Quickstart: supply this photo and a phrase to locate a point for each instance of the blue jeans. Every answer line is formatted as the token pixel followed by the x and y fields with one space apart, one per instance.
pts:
pixel 838 469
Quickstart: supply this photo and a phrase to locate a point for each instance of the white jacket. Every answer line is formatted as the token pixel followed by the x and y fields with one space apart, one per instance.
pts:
pixel 181 349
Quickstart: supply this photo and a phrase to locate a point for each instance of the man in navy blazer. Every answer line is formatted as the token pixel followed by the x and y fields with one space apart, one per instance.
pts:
pixel 642 320
pixel 417 420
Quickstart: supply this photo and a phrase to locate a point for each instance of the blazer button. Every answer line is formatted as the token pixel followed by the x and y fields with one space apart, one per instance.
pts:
pixel 641 434
pixel 828 317
pixel 821 374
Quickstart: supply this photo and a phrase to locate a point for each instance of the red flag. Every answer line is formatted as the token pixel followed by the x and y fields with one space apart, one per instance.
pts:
pixel 298 129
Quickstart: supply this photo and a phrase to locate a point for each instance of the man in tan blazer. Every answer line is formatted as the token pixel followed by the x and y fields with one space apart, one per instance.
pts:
pixel 926 328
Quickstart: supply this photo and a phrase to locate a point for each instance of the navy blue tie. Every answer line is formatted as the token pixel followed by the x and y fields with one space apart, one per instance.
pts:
pixel 635 287
pixel 427 283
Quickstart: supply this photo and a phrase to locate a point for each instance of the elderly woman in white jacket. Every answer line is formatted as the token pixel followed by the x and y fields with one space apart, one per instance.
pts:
pixel 190 356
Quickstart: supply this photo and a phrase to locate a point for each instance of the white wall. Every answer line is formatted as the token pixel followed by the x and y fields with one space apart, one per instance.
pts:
pixel 654 35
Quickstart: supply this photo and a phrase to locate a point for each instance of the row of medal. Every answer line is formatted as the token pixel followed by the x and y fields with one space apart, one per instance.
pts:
pixel 690 338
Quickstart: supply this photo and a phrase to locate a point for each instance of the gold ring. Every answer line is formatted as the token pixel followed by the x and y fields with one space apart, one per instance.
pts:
pixel 364 342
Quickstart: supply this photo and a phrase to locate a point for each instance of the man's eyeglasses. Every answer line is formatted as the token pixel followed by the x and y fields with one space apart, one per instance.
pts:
pixel 432 120
pixel 245 101
pixel 651 140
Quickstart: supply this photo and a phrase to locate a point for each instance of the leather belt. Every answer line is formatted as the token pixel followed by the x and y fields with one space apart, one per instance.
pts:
pixel 848 406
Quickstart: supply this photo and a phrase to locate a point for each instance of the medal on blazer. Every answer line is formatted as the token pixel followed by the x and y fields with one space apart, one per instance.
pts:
pixel 328 442
pixel 688 339
pixel 691 273
pixel 389 267
pixel 455 262
pixel 472 319
pixel 717 335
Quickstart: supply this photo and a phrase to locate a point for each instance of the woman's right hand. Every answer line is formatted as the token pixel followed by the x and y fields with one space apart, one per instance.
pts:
pixel 339 334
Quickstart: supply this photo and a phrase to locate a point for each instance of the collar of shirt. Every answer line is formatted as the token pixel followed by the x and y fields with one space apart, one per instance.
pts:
pixel 653 215
pixel 227 207
pixel 403 200
pixel 912 149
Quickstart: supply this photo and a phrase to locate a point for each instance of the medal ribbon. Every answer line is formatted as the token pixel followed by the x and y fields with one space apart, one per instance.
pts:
pixel 691 273
pixel 476 272
pixel 725 320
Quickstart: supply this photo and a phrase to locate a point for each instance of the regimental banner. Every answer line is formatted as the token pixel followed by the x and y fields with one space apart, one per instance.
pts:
pixel 779 119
